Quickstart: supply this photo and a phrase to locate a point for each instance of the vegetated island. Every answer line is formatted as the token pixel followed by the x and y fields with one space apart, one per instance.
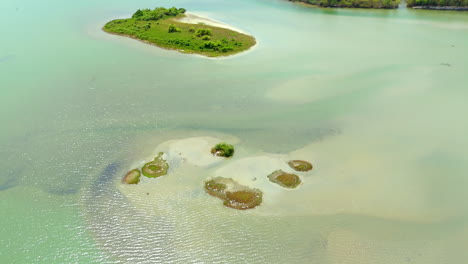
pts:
pixel 388 4
pixel 162 27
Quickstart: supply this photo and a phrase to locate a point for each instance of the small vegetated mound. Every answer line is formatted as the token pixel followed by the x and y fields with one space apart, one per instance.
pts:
pixel 155 168
pixel 287 180
pixel 132 177
pixel 223 150
pixel 300 165
pixel 233 194
pixel 158 26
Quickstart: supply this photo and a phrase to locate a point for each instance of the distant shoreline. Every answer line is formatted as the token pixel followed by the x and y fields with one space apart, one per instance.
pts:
pixel 449 8
pixel 442 8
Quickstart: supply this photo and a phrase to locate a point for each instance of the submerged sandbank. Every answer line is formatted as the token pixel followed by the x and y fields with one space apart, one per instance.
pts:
pixel 338 183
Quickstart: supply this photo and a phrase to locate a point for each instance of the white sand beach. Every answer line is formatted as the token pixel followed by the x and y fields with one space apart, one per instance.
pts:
pixel 192 18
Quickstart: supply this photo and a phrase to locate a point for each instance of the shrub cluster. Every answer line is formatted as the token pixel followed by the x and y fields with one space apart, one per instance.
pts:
pixel 157 13
pixel 216 46
pixel 180 42
pixel 203 32
pixel 173 29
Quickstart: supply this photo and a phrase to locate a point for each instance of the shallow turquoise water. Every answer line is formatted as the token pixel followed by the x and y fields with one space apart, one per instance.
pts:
pixel 378 95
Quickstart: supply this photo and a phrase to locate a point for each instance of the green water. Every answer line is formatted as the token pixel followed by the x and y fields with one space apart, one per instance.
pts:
pixel 377 97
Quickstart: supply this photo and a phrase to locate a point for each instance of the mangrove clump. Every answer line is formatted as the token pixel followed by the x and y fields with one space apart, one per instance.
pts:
pixel 155 168
pixel 287 180
pixel 234 195
pixel 132 177
pixel 223 150
pixel 300 165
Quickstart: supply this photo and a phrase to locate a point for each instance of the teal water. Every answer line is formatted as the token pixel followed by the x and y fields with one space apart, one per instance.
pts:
pixel 378 97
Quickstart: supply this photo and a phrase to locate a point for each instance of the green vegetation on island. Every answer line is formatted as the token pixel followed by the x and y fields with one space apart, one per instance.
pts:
pixel 300 165
pixel 353 3
pixel 161 27
pixel 287 180
pixel 233 194
pixel 155 168
pixel 132 177
pixel 223 150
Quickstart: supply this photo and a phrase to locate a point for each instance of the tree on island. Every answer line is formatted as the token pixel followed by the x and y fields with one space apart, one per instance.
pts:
pixel 203 32
pixel 138 14
pixel 157 13
pixel 173 29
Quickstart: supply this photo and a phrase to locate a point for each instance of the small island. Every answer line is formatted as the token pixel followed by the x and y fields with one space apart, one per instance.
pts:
pixel 163 27
pixel 284 179
pixel 132 177
pixel 300 165
pixel 233 194
pixel 155 168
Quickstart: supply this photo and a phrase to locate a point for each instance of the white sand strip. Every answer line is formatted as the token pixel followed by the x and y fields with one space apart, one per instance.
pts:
pixel 191 18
